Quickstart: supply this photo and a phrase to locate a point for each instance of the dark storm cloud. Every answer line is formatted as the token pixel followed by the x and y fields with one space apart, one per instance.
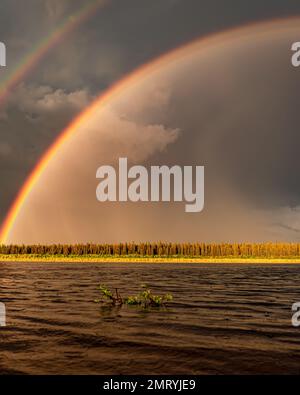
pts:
pixel 121 36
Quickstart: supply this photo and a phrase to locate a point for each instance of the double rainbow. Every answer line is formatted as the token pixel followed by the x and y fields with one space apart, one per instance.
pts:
pixel 116 89
pixel 47 43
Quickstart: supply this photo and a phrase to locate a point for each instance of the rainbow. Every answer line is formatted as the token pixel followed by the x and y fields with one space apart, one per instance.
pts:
pixel 116 89
pixel 42 47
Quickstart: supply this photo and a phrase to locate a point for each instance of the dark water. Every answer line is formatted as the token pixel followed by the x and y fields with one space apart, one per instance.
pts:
pixel 224 319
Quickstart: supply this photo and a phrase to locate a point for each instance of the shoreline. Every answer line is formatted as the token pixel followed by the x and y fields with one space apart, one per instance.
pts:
pixel 136 259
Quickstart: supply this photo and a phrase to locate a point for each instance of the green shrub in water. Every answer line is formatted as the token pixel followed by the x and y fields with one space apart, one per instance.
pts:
pixel 144 299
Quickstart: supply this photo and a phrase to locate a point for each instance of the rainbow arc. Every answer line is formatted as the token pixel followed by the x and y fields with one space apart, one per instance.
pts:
pixel 172 56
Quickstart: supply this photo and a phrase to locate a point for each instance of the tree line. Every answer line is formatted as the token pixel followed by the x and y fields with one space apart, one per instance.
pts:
pixel 160 249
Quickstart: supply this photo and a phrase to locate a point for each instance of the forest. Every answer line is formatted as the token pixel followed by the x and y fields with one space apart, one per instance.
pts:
pixel 160 249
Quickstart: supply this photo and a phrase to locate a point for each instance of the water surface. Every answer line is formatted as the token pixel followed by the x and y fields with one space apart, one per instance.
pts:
pixel 224 319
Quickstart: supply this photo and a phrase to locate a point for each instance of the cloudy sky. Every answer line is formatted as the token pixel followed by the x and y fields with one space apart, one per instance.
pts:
pixel 118 38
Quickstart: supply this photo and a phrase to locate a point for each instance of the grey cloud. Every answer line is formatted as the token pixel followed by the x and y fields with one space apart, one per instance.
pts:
pixel 44 99
pixel 287 221
pixel 30 121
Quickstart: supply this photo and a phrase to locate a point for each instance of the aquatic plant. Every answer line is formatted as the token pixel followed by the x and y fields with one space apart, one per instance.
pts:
pixel 144 299
pixel 107 295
